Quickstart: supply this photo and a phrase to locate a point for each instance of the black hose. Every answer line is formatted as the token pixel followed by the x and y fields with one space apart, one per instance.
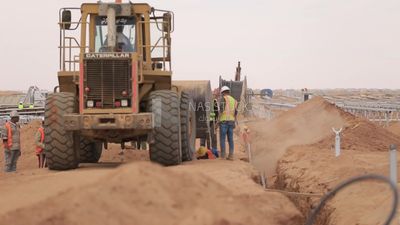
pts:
pixel 332 193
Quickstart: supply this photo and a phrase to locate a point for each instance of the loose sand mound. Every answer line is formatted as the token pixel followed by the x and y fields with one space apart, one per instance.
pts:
pixel 305 124
pixel 310 123
pixel 143 193
pixel 362 135
pixel 395 128
pixel 303 140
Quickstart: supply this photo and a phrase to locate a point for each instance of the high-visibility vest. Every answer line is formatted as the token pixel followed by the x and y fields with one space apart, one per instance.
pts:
pixel 41 131
pixel 9 135
pixel 229 111
pixel 20 106
pixel 212 116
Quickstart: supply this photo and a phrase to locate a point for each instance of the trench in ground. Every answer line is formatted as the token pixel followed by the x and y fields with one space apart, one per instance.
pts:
pixel 304 204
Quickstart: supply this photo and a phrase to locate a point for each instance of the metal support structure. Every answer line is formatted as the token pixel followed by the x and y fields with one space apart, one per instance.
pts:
pixel 337 141
pixel 112 30
pixel 393 163
pixel 263 180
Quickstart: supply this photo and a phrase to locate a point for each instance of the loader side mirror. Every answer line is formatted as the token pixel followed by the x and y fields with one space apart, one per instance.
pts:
pixel 167 22
pixel 66 17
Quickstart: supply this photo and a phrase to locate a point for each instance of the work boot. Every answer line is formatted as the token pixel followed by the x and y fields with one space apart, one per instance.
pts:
pixel 222 156
pixel 230 157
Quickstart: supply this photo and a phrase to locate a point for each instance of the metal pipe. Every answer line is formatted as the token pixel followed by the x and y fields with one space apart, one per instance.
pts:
pixel 393 163
pixel 249 152
pixel 337 141
pixel 112 30
pixel 263 180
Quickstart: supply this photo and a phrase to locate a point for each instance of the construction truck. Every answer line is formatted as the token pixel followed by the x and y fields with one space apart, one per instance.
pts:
pixel 115 86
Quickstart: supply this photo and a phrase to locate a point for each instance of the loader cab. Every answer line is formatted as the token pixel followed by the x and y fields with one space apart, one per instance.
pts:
pixel 114 55
pixel 125 34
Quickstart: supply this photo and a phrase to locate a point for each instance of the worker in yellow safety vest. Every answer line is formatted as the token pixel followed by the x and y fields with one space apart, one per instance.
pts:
pixel 39 142
pixel 227 121
pixel 213 143
pixel 12 143
pixel 20 105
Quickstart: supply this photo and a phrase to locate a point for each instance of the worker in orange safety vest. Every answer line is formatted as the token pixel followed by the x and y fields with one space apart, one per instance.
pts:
pixel 11 141
pixel 39 141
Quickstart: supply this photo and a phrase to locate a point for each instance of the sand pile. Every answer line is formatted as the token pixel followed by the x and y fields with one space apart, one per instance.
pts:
pixel 395 128
pixel 308 123
pixel 144 193
pixel 308 163
pixel 362 135
pixel 311 123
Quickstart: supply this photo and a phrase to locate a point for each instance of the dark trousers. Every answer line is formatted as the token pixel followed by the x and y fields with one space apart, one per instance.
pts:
pixel 206 141
pixel 226 130
pixel 11 158
pixel 42 160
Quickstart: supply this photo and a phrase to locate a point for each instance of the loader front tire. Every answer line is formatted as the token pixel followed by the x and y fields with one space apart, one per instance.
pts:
pixel 60 145
pixel 188 127
pixel 165 141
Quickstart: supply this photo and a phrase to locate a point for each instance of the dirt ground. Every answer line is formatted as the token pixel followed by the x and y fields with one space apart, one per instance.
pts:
pixel 128 189
pixel 143 193
pixel 297 151
pixel 395 128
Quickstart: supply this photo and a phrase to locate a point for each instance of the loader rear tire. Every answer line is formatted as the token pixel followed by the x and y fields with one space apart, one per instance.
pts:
pixel 90 151
pixel 60 145
pixel 188 127
pixel 165 144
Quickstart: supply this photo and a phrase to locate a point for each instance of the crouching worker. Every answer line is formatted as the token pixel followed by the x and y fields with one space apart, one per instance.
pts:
pixel 39 141
pixel 204 153
pixel 12 143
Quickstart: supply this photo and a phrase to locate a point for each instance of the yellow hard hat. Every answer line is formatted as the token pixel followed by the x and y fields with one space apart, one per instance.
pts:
pixel 202 151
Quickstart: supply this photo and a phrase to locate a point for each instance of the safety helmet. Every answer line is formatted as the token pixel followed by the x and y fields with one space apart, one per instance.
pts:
pixel 14 114
pixel 202 151
pixel 225 88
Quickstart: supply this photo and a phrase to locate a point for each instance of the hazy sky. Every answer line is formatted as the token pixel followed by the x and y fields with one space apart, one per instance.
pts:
pixel 281 43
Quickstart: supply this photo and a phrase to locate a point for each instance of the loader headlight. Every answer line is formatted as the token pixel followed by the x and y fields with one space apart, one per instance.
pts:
pixel 124 103
pixel 90 104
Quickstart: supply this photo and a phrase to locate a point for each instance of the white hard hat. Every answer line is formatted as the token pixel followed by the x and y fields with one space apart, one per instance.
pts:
pixel 14 114
pixel 225 88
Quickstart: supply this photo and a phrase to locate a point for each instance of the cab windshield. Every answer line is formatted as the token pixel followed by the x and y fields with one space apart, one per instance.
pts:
pixel 126 34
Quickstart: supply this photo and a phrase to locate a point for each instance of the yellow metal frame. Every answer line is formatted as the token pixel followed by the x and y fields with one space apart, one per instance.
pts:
pixel 146 65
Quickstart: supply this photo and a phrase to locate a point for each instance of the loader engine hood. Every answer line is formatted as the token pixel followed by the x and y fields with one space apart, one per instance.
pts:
pixel 108 81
